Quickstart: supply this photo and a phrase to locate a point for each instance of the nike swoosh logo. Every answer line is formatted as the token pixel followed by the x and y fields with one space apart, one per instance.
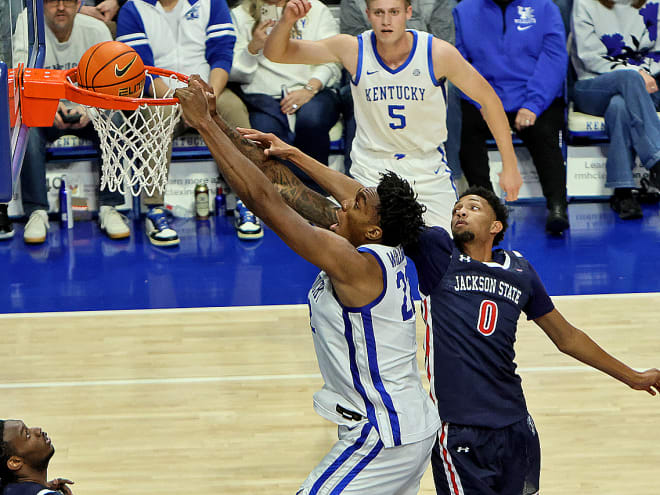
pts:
pixel 120 72
pixel 523 28
pixel 371 72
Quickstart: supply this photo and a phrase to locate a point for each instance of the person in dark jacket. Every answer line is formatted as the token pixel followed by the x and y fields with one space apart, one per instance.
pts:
pixel 519 46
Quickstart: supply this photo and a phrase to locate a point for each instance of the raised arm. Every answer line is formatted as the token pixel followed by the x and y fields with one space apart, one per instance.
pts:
pixel 311 205
pixel 338 185
pixel 449 63
pixel 579 345
pixel 328 251
pixel 280 48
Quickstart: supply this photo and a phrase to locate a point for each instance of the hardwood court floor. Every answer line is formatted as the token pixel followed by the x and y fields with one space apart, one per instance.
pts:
pixel 220 400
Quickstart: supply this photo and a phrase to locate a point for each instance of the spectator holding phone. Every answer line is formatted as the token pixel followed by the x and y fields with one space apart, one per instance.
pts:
pixel 68 36
pixel 294 102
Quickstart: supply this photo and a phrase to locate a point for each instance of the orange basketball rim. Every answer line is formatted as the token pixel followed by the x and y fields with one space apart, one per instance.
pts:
pixel 40 91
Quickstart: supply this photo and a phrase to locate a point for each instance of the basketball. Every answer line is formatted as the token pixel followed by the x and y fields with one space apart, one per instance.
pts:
pixel 112 68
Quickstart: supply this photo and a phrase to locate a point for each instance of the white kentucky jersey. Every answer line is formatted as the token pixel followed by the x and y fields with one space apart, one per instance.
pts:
pixel 398 111
pixel 368 356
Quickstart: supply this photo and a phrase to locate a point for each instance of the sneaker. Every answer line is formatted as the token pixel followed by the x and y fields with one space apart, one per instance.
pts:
pixel 112 223
pixel 36 228
pixel 158 229
pixel 628 208
pixel 248 226
pixel 654 175
pixel 6 229
pixel 557 220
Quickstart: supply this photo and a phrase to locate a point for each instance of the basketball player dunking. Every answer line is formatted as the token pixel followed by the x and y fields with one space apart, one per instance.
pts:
pixel 361 314
pixel 472 299
pixel 398 81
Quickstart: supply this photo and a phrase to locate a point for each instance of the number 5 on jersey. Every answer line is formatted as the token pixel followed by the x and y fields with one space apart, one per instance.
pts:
pixel 396 112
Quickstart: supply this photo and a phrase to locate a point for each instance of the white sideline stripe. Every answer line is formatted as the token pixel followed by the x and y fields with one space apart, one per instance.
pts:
pixel 273 307
pixel 225 379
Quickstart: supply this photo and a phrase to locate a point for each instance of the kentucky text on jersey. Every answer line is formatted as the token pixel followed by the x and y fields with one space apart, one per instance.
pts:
pixel 406 93
pixel 487 284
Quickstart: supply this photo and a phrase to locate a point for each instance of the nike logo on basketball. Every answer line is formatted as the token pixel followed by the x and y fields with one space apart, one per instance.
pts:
pixel 121 72
pixel 369 72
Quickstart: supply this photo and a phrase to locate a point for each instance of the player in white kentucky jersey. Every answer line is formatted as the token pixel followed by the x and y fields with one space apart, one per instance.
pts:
pixel 398 86
pixel 363 322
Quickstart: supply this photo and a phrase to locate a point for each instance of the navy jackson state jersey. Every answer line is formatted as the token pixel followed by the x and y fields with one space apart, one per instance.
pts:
pixel 27 488
pixel 471 311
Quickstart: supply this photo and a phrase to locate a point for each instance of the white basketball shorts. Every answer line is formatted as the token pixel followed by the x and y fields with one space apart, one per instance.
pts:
pixel 359 464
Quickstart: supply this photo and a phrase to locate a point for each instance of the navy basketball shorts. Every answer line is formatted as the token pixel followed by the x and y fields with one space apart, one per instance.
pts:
pixel 471 460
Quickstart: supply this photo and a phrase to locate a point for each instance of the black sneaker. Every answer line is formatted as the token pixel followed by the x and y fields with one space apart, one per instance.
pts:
pixel 654 175
pixel 557 220
pixel 628 208
pixel 6 229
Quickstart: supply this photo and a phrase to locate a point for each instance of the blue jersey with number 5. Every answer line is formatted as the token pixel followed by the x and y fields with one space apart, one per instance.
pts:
pixel 471 309
pixel 402 110
pixel 368 356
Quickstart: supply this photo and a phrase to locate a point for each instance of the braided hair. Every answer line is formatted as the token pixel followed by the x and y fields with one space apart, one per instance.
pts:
pixel 400 213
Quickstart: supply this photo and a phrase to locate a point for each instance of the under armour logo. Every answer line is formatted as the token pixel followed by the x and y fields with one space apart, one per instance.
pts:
pixel 464 258
pixel 416 72
pixel 463 449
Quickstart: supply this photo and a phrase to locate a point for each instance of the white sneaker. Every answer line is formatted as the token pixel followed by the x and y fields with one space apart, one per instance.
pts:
pixel 36 228
pixel 112 223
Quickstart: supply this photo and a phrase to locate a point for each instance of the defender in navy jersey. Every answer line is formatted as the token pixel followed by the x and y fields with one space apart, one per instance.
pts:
pixel 361 315
pixel 472 297
pixel 24 457
pixel 398 85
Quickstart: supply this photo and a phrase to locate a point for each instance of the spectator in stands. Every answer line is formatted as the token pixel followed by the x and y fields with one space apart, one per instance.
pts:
pixel 297 103
pixel 190 37
pixel 432 16
pixel 103 10
pixel 616 54
pixel 520 48
pixel 68 36
pixel 24 457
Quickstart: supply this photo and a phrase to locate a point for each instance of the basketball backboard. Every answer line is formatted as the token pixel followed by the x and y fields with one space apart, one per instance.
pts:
pixel 14 139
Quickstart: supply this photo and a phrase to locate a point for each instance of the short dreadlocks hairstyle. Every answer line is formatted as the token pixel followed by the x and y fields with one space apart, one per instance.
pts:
pixel 400 213
pixel 6 451
pixel 501 211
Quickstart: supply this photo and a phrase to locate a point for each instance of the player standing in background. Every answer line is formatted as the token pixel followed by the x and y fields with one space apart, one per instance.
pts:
pixel 398 83
pixel 361 314
pixel 472 299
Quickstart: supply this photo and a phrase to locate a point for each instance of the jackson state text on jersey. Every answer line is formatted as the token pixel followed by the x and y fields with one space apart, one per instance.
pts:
pixel 473 310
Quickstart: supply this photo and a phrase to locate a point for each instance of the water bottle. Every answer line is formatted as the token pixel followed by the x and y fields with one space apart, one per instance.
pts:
pixel 220 203
pixel 66 216
pixel 202 201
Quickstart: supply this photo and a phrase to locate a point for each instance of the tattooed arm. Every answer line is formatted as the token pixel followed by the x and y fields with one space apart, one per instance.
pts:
pixel 311 205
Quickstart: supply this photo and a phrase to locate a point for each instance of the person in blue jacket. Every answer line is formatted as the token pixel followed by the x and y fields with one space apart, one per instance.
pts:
pixel 519 47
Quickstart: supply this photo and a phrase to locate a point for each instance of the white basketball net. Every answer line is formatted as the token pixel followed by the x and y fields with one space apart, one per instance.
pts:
pixel 134 146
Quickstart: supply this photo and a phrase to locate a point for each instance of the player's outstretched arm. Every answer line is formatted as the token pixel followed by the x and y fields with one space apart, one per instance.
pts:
pixel 577 344
pixel 325 249
pixel 450 63
pixel 279 46
pixel 311 205
pixel 338 185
